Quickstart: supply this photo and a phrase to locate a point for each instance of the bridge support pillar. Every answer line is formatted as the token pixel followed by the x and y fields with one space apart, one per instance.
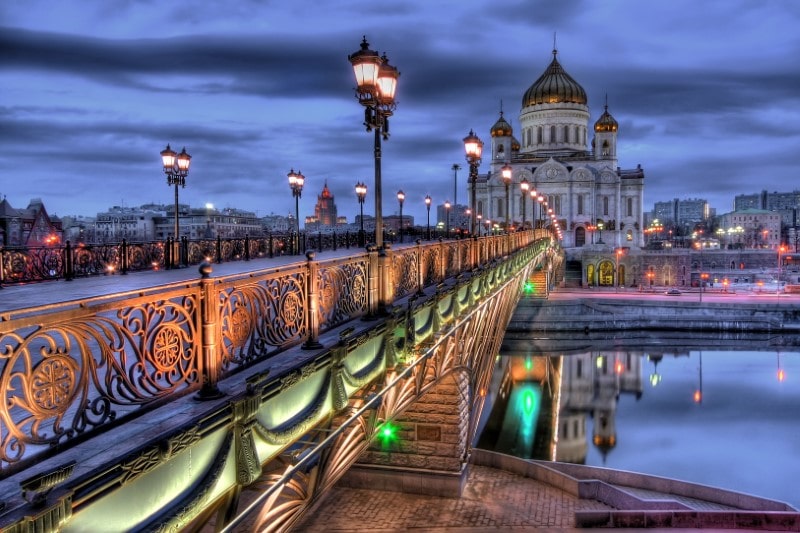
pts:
pixel 430 452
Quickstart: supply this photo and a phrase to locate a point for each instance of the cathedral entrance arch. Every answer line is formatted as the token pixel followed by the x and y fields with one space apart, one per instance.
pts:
pixel 606 274
pixel 580 236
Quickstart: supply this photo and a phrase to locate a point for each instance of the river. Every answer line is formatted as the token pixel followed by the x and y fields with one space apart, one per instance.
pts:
pixel 713 410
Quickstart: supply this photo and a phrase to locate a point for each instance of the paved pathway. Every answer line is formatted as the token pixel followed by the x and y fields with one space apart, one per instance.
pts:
pixel 492 500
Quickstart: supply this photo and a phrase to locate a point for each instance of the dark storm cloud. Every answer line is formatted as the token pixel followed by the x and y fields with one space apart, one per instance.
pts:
pixel 257 65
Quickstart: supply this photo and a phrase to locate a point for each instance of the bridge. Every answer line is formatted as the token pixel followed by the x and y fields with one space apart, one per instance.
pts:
pixel 233 397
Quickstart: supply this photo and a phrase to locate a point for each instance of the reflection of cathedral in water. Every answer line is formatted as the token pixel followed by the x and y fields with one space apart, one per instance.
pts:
pixel 591 384
pixel 544 404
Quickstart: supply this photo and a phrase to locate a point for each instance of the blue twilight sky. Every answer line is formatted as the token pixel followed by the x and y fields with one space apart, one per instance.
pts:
pixel 707 95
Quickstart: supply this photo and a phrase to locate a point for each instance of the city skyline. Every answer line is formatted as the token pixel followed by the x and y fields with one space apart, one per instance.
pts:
pixel 704 95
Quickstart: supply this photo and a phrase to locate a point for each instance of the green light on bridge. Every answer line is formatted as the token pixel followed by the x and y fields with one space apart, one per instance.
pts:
pixel 530 287
pixel 387 432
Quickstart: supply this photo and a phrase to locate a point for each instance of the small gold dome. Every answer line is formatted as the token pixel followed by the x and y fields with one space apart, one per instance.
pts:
pixel 554 86
pixel 606 122
pixel 501 128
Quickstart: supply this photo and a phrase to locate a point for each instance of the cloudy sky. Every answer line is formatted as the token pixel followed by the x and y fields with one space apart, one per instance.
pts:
pixel 707 95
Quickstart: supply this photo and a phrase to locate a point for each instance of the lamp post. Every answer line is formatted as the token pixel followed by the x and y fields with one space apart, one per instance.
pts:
pixel 401 196
pixel 428 207
pixel 361 193
pixel 506 173
pixel 447 220
pixel 618 253
pixel 473 147
pixel 176 167
pixel 525 187
pixel 296 181
pixel 600 234
pixel 480 224
pixel 376 83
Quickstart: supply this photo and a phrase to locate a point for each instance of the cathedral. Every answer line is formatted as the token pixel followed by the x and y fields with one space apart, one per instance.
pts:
pixel 593 200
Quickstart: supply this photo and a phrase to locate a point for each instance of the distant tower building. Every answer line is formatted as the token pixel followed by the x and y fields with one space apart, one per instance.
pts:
pixel 325 210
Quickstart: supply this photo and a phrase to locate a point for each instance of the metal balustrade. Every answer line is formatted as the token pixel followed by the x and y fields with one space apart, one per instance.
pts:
pixel 69 370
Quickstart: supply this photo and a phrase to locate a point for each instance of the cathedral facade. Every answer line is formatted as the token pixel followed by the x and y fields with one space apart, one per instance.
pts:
pixel 577 177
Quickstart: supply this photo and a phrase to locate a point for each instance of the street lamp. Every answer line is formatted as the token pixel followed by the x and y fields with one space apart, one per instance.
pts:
pixel 480 225
pixel 428 207
pixel 525 187
pixel 447 220
pixel 506 172
pixel 176 167
pixel 540 201
pixel 473 146
pixel 377 82
pixel 600 226
pixel 296 181
pixel 361 193
pixel 401 196
pixel 618 252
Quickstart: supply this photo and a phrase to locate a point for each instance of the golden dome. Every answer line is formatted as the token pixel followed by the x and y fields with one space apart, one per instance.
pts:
pixel 606 122
pixel 554 86
pixel 501 128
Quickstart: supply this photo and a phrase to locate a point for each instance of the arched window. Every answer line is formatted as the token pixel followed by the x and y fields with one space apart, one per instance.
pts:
pixel 629 235
pixel 580 204
pixel 552 134
pixel 566 134
pixel 577 134
pixel 606 150
pixel 480 207
pixel 539 135
pixel 630 207
pixel 605 205
pixel 500 204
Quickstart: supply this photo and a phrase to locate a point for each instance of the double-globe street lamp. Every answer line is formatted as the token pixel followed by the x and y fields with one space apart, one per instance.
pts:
pixel 361 193
pixel 401 197
pixel 296 182
pixel 176 167
pixel 428 207
pixel 473 147
pixel 376 82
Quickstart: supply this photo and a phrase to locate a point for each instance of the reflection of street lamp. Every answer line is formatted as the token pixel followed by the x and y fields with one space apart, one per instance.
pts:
pixel 525 187
pixel 377 82
pixel 176 167
pixel 447 220
pixel 506 172
pixel 401 197
pixel 655 377
pixel 296 182
pixel 473 146
pixel 428 207
pixel 361 193
pixel 698 393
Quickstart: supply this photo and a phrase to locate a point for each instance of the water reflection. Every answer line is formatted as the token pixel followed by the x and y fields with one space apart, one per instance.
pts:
pixel 720 417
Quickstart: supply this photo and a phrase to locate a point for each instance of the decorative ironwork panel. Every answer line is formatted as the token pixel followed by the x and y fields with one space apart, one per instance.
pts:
pixel 405 273
pixel 342 292
pixel 95 259
pixel 205 250
pixel 262 316
pixel 451 259
pixel 145 256
pixel 431 258
pixel 67 375
pixel 32 264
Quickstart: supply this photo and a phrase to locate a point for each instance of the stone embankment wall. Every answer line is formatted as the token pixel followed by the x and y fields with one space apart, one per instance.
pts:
pixel 588 314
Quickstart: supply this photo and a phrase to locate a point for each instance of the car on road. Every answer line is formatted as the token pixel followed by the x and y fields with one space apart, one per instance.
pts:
pixel 672 292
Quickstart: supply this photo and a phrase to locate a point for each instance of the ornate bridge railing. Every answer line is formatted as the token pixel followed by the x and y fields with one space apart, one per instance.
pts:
pixel 46 263
pixel 72 369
